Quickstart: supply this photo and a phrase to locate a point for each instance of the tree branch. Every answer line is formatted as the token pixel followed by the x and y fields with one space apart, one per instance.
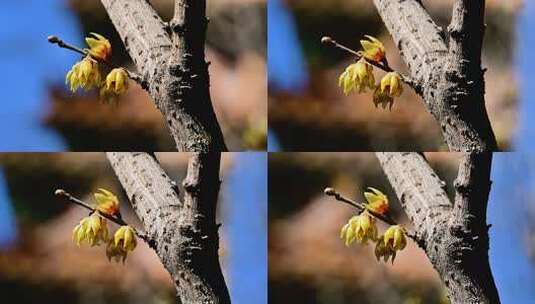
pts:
pixel 420 191
pixel 468 226
pixel 116 219
pixel 453 88
pixel 455 238
pixel 171 59
pixel 383 66
pixel 359 206
pixel 419 39
pixel 185 232
pixel 62 44
pixel 466 32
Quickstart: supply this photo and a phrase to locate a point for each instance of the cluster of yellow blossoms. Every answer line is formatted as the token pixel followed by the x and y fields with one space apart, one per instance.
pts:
pixel 359 76
pixel 94 229
pixel 87 74
pixel 363 228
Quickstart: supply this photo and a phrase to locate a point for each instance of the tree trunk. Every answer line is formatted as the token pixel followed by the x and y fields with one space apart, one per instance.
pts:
pixel 448 76
pixel 453 235
pixel 170 58
pixel 183 233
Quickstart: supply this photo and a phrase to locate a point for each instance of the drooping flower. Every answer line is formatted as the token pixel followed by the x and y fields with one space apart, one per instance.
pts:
pixel 390 242
pixel 394 237
pixel 357 76
pixel 115 252
pixel 383 251
pixel 359 228
pixel 106 201
pixel 377 201
pixel 391 84
pixel 84 74
pixel 125 237
pixel 92 229
pixel 374 49
pixel 383 99
pixel 123 241
pixel 99 46
pixel 116 84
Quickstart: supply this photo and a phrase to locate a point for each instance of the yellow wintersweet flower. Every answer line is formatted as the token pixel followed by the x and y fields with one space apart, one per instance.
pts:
pixel 116 84
pixel 84 74
pixel 357 76
pixel 390 242
pixel 116 253
pixel 125 237
pixel 360 228
pixel 391 84
pixel 123 241
pixel 107 202
pixel 394 237
pixel 99 46
pixel 381 250
pixel 374 49
pixel 92 229
pixel 377 201
pixel 383 99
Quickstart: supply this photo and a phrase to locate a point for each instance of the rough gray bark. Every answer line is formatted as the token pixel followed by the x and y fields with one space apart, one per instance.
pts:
pixel 183 232
pixel 453 235
pixel 446 67
pixel 170 58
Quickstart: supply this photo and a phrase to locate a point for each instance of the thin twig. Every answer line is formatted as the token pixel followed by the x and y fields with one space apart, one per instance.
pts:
pixel 361 207
pixel 62 44
pixel 116 219
pixel 383 66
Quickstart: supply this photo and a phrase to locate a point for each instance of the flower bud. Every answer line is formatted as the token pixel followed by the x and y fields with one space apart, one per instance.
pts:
pixel 377 201
pixel 374 49
pixel 100 47
pixel 106 201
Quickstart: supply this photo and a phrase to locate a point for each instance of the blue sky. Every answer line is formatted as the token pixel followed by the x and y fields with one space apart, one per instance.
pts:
pixel 29 64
